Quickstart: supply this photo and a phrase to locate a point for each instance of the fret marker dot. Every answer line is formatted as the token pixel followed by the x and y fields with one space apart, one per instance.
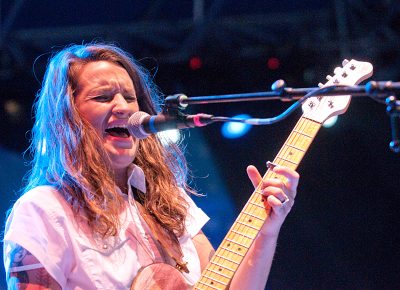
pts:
pixel 250 220
pixel 239 249
pixel 229 244
pixel 220 269
pixel 212 283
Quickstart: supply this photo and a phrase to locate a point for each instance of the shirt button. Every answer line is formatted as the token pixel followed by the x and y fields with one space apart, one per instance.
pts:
pixel 105 246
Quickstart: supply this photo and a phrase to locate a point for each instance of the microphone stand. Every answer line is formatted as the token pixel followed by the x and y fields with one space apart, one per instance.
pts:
pixel 280 92
pixel 393 110
pixel 175 104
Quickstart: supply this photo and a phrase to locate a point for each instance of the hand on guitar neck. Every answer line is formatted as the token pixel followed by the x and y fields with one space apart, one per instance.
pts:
pixel 279 194
pixel 278 188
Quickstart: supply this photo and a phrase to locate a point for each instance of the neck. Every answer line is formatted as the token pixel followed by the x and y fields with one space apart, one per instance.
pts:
pixel 121 179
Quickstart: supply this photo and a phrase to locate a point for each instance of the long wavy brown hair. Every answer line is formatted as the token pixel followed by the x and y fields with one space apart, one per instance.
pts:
pixel 68 153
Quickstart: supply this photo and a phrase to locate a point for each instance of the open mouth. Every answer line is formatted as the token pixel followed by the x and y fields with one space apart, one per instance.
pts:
pixel 118 132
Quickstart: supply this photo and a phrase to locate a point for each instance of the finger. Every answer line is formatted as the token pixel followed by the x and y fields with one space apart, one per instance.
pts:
pixel 291 176
pixel 277 206
pixel 276 182
pixel 277 192
pixel 254 175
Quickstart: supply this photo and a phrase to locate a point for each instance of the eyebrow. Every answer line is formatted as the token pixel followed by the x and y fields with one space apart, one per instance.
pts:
pixel 110 88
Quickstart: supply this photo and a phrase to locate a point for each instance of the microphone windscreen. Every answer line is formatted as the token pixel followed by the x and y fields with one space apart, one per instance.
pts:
pixel 135 125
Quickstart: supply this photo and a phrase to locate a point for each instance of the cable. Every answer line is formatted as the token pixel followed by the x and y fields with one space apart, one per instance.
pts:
pixel 282 116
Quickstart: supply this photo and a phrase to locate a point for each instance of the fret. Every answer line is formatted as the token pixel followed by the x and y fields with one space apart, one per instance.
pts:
pixel 236 242
pixel 303 142
pixel 247 225
pixel 300 141
pixel 214 278
pixel 252 215
pixel 303 134
pixel 219 273
pixel 251 221
pixel 287 160
pixel 208 285
pixel 295 147
pixel 257 191
pixel 232 251
pixel 256 204
pixel 312 126
pixel 245 230
pixel 291 153
pixel 242 234
pixel 223 266
pixel 225 258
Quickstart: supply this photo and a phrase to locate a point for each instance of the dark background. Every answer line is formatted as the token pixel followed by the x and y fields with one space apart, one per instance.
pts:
pixel 343 232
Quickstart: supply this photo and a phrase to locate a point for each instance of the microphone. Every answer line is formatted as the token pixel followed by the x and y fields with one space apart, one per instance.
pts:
pixel 141 124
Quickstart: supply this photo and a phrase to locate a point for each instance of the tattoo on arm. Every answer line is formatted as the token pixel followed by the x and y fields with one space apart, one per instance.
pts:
pixel 17 256
pixel 39 278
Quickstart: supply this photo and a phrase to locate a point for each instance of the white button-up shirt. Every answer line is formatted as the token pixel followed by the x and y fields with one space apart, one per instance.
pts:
pixel 43 223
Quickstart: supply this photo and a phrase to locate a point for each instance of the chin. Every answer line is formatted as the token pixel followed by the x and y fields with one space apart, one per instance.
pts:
pixel 121 161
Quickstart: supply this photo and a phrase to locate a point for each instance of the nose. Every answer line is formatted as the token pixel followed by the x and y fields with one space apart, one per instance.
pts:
pixel 121 107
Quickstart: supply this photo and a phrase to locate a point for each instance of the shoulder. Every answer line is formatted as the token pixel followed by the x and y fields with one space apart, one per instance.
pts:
pixel 44 197
pixel 40 203
pixel 196 218
pixel 39 193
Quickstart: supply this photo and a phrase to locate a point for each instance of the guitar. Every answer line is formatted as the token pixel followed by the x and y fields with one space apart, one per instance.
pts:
pixel 229 255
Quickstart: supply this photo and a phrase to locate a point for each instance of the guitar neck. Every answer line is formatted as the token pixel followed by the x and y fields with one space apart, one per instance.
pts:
pixel 226 260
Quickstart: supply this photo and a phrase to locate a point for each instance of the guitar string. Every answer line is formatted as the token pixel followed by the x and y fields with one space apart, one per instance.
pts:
pixel 285 151
pixel 251 207
pixel 240 227
pixel 303 125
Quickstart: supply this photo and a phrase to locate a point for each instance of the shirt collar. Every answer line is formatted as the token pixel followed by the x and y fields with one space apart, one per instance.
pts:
pixel 136 177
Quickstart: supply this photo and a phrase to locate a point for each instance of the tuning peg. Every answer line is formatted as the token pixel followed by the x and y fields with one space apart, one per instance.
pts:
pixel 320 85
pixel 328 77
pixel 338 70
pixel 345 61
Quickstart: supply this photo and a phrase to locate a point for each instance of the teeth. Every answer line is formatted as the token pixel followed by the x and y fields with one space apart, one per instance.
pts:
pixel 117 126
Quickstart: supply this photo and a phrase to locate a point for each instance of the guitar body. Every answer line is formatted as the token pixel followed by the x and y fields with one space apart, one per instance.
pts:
pixel 159 276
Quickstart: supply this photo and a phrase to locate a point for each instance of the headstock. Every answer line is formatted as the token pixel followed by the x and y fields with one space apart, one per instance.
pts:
pixel 321 108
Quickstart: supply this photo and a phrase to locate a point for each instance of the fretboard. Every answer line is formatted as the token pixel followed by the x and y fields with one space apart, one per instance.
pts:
pixel 228 257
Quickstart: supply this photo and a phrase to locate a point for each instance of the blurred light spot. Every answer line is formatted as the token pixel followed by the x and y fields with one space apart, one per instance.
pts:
pixel 330 122
pixel 195 63
pixel 232 130
pixel 273 63
pixel 169 136
pixel 13 109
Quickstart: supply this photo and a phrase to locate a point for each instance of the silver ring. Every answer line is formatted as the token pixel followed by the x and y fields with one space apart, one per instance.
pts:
pixel 285 201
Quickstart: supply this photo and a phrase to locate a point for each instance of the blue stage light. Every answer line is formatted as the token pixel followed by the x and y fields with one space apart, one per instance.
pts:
pixel 232 130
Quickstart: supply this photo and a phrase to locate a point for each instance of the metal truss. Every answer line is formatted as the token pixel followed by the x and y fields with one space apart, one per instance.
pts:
pixel 352 27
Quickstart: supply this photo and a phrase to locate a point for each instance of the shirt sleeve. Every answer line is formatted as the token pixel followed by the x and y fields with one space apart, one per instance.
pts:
pixel 36 224
pixel 195 219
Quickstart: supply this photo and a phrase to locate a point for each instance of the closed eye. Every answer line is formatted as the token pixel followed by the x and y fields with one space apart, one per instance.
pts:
pixel 130 99
pixel 102 98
